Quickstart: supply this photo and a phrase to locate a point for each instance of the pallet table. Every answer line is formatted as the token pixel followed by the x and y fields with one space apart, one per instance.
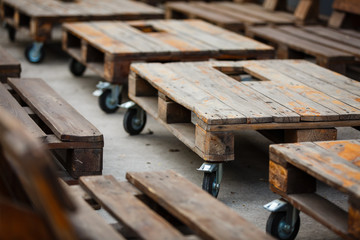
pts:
pixel 108 48
pixel 73 140
pixel 334 48
pixel 294 169
pixel 204 104
pixel 150 205
pixel 40 16
pixel 238 16
pixel 9 66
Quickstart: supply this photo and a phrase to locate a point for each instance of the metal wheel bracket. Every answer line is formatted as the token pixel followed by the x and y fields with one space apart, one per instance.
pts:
pixel 37 46
pixel 127 105
pixel 213 167
pixel 277 205
pixel 291 216
pixel 101 87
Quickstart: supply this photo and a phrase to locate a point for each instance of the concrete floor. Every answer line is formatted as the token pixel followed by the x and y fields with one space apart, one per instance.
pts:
pixel 244 187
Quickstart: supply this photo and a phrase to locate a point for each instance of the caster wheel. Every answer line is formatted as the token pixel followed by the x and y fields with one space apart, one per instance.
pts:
pixel 11 32
pixel 76 67
pixel 34 53
pixel 132 124
pixel 276 226
pixel 210 185
pixel 107 104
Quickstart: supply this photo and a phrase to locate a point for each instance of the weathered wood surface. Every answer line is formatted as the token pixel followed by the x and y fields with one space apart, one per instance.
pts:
pixel 211 100
pixel 9 66
pixel 345 14
pixel 332 48
pixel 74 141
pixel 39 16
pixel 108 48
pixel 238 16
pixel 335 163
pixel 35 204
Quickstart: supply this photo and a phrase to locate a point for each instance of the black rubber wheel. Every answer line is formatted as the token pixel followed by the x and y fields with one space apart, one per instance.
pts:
pixel 11 32
pixel 275 226
pixel 34 56
pixel 106 104
pixel 209 184
pixel 76 67
pixel 132 124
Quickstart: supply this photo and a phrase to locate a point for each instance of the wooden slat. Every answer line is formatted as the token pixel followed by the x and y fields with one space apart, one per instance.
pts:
pixel 218 85
pixel 7 61
pixel 298 44
pixel 352 6
pixel 207 107
pixel 107 191
pixel 273 72
pixel 210 219
pixel 66 123
pixel 321 164
pixel 346 149
pixel 89 224
pixel 8 103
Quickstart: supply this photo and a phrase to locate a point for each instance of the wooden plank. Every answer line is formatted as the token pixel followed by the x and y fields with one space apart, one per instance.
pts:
pixel 333 34
pixel 107 191
pixel 321 164
pixel 8 103
pixel 351 6
pixel 7 61
pixel 66 123
pixel 232 93
pixel 311 48
pixel 210 219
pixel 284 78
pixel 304 76
pixel 311 36
pixel 87 222
pixel 323 211
pixel 210 109
pixel 346 149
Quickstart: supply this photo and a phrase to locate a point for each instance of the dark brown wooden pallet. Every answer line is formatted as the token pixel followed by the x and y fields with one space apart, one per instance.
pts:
pixel 294 168
pixel 9 66
pixel 39 16
pixel 74 141
pixel 332 48
pixel 156 205
pixel 108 48
pixel 204 104
pixel 237 16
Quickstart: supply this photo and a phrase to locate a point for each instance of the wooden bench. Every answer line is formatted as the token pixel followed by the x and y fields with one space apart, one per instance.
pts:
pixel 108 48
pixel 40 16
pixel 238 16
pixel 333 48
pixel 155 205
pixel 294 169
pixel 74 141
pixel 204 104
pixel 9 66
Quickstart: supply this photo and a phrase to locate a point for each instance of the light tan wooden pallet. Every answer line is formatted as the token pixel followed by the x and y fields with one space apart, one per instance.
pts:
pixel 294 169
pixel 238 16
pixel 108 48
pixel 35 205
pixel 205 104
pixel 40 16
pixel 74 141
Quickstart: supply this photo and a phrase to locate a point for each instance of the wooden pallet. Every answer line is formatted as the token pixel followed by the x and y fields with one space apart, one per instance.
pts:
pixel 108 48
pixel 74 141
pixel 294 168
pixel 237 16
pixel 204 104
pixel 39 16
pixel 156 205
pixel 9 66
pixel 331 48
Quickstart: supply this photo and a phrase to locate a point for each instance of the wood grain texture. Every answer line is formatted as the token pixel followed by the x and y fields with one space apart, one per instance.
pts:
pixel 66 123
pixel 210 219
pixel 9 66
